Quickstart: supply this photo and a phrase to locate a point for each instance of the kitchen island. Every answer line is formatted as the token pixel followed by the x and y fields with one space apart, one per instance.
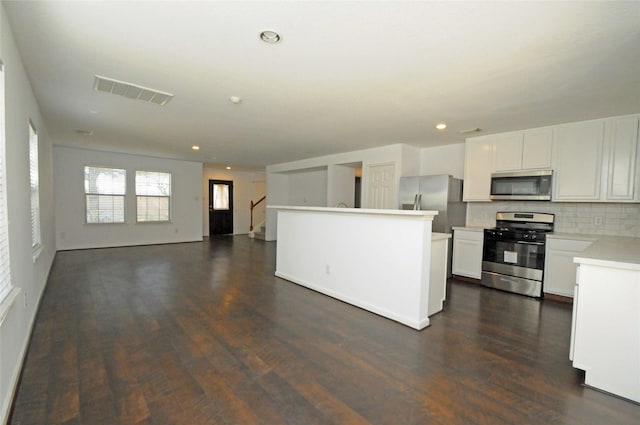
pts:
pixel 384 261
pixel 605 334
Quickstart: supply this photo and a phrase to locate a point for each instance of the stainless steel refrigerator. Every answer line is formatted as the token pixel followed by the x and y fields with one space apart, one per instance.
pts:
pixel 439 192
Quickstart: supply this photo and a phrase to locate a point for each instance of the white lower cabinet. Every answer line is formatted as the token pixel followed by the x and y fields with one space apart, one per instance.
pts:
pixel 467 252
pixel 559 268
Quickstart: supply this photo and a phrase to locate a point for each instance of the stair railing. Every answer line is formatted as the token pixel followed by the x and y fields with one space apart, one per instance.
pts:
pixel 252 206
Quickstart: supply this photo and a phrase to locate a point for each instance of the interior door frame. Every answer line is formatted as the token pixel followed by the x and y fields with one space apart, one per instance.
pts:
pixel 212 212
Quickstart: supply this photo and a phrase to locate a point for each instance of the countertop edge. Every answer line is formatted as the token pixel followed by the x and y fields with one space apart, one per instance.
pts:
pixel 613 251
pixel 363 211
pixel 437 236
pixel 469 228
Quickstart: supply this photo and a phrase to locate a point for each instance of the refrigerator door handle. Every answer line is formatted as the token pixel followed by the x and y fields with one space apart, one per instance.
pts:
pixel 417 201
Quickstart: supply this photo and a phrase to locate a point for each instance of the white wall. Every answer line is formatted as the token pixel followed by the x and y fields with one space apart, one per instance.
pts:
pixel 447 159
pixel 308 188
pixel 247 186
pixel 73 233
pixel 28 276
pixel 278 175
pixel 341 183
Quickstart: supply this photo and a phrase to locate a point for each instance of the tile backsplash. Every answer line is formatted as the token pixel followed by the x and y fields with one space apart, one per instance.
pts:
pixel 613 219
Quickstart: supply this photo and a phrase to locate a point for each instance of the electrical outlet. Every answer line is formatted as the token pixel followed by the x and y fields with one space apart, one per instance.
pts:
pixel 597 221
pixel 25 299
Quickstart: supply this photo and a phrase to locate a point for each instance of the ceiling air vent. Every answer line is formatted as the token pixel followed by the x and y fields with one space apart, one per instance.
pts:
pixel 132 91
pixel 470 131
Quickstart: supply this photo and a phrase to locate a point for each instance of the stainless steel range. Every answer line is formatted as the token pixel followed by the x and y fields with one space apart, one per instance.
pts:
pixel 513 253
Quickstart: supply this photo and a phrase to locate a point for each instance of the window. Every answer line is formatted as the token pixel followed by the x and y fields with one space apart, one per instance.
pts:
pixel 36 240
pixel 5 271
pixel 220 197
pixel 104 189
pixel 153 196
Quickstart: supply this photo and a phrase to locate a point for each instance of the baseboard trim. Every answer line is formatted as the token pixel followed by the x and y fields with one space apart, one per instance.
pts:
pixel 466 279
pixel 559 298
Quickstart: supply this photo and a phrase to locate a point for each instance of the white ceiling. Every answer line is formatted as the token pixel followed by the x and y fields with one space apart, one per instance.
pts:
pixel 346 75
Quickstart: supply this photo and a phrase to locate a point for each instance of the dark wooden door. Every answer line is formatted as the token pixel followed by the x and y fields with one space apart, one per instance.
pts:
pixel 220 207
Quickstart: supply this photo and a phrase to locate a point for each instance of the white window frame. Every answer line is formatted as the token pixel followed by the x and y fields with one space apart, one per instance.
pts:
pixel 105 193
pixel 145 196
pixel 7 292
pixel 34 179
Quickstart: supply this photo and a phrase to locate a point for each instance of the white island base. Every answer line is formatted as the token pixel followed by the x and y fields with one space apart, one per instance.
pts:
pixel 384 261
pixel 605 339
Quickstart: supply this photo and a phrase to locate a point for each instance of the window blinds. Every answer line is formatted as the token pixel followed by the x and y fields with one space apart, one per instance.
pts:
pixel 5 273
pixel 104 190
pixel 35 187
pixel 153 196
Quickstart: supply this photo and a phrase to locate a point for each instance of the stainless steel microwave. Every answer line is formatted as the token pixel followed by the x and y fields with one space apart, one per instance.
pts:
pixel 522 186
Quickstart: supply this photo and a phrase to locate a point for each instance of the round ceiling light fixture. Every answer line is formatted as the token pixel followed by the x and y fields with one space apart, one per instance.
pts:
pixel 235 99
pixel 270 37
pixel 195 147
pixel 441 126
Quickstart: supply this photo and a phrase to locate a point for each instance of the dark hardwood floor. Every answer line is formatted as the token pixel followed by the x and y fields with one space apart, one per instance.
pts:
pixel 203 333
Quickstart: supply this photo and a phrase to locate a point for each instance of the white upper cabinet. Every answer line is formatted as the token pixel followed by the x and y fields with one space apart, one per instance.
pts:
pixel 478 166
pixel 508 152
pixel 578 161
pixel 523 150
pixel 537 146
pixel 621 173
pixel 592 161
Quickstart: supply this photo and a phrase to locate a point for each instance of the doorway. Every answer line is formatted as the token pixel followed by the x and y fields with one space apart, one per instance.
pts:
pixel 381 181
pixel 220 207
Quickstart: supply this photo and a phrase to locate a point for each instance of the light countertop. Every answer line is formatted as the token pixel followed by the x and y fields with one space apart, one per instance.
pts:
pixel 573 236
pixel 363 211
pixel 435 236
pixel 469 228
pixel 612 251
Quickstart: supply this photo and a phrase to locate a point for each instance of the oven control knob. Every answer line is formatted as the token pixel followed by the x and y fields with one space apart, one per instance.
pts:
pixel 533 236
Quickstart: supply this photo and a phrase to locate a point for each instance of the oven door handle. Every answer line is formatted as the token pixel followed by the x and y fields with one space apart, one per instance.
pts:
pixel 530 243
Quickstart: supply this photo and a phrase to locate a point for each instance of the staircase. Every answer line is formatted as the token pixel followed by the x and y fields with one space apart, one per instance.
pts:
pixel 258 232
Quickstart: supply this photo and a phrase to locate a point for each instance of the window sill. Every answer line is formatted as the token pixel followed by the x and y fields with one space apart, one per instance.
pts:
pixel 7 303
pixel 155 222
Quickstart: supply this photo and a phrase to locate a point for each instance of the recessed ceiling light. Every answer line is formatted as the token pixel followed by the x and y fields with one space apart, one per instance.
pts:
pixel 228 168
pixel 195 147
pixel 270 37
pixel 85 132
pixel 441 126
pixel 234 99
